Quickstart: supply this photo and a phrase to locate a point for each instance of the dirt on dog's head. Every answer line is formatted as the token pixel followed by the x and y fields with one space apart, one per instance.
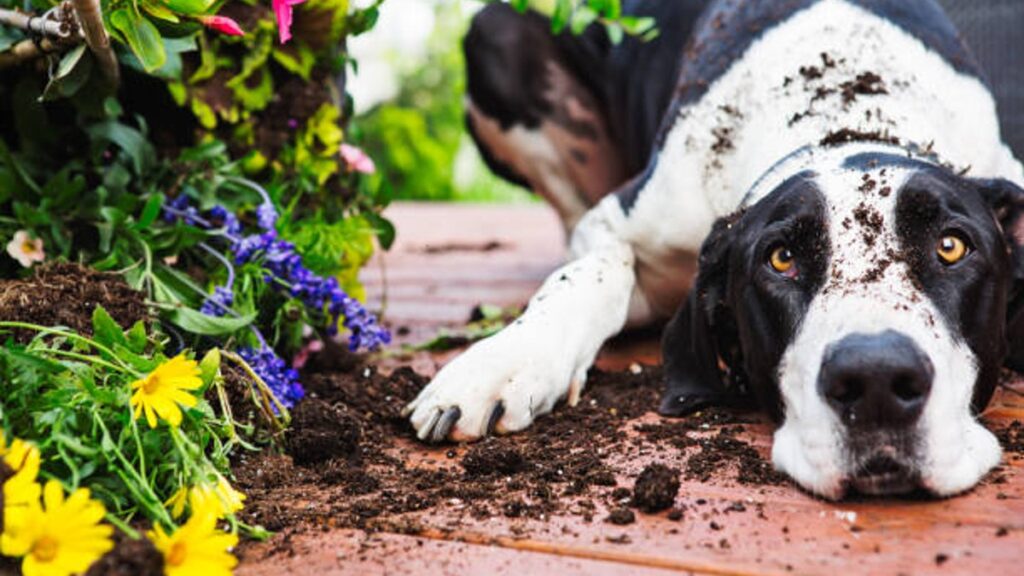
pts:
pixel 866 300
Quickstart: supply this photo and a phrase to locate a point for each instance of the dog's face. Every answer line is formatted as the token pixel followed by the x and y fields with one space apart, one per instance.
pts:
pixel 864 302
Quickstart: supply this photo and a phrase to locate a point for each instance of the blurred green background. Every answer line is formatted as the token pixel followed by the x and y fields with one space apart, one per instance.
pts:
pixel 409 89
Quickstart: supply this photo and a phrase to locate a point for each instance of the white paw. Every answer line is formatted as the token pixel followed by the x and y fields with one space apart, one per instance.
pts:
pixel 499 385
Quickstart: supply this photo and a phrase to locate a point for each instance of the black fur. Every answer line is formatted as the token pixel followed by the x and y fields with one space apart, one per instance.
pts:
pixel 726 342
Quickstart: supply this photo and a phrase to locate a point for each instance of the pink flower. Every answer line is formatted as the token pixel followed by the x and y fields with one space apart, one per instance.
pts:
pixel 222 24
pixel 357 160
pixel 25 249
pixel 283 10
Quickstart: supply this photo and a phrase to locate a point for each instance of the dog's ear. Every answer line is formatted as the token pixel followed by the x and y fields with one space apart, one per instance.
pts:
pixel 1007 202
pixel 699 346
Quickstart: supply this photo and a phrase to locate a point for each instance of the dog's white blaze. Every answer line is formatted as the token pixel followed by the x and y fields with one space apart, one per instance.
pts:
pixel 868 289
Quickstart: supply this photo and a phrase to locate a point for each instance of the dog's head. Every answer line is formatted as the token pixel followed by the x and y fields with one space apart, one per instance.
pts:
pixel 867 300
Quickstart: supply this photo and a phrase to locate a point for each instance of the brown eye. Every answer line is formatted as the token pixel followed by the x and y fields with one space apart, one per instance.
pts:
pixel 782 262
pixel 951 249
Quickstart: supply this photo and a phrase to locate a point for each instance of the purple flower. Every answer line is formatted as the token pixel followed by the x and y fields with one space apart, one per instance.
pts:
pixel 218 303
pixel 282 380
pixel 266 215
pixel 219 216
pixel 180 209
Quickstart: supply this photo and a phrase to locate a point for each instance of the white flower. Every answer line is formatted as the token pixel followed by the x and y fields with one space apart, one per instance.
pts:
pixel 25 249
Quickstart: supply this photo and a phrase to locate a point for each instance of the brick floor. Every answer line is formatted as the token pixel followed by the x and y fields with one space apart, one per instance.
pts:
pixel 450 258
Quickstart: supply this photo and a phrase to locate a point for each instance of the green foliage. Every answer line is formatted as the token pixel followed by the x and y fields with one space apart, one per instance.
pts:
pixel 70 396
pixel 577 15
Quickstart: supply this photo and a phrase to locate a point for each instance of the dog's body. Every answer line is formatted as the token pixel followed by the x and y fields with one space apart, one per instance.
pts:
pixel 817 149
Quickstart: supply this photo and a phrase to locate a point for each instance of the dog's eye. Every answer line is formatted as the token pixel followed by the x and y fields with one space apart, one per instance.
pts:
pixel 951 249
pixel 781 260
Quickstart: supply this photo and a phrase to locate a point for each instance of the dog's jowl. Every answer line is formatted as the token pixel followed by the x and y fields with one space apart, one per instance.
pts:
pixel 815 192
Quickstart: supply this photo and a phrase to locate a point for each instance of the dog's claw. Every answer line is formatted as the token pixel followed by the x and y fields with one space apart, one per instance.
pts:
pixel 444 424
pixel 425 431
pixel 496 413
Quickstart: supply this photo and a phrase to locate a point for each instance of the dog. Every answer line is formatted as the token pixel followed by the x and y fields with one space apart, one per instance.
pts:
pixel 815 193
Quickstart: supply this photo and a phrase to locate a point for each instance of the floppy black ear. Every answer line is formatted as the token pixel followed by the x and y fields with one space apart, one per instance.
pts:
pixel 700 346
pixel 1007 202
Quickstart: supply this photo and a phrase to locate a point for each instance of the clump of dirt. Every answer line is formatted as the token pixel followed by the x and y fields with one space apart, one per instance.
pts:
pixel 66 294
pixel 321 432
pixel 129 558
pixel 724 450
pixel 845 135
pixel 865 84
pixel 622 516
pixel 656 488
pixel 493 457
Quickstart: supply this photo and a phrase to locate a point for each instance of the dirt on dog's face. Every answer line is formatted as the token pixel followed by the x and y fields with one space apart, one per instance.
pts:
pixel 863 301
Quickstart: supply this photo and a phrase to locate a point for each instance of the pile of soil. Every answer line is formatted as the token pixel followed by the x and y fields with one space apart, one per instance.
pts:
pixel 352 460
pixel 65 294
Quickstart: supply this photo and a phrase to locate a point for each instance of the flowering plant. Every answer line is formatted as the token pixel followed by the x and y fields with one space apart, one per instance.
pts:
pixel 132 435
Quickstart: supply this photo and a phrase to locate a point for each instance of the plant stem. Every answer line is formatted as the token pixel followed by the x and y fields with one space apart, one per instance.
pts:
pixel 90 17
pixel 71 336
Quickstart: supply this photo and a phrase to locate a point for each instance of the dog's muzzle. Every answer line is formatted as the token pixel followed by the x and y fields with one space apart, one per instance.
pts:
pixel 878 385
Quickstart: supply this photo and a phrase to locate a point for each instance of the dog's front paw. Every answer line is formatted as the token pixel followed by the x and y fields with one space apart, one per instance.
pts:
pixel 499 385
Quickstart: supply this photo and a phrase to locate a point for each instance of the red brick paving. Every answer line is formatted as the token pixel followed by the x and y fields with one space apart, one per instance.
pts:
pixel 450 258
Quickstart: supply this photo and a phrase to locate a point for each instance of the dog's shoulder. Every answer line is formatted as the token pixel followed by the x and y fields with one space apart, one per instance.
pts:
pixel 728 28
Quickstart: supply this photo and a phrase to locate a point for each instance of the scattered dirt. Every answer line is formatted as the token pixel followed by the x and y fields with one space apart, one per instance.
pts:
pixel 447 248
pixel 66 294
pixel 656 488
pixel 568 464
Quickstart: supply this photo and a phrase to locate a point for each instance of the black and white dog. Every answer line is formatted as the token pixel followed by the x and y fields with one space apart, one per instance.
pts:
pixel 835 170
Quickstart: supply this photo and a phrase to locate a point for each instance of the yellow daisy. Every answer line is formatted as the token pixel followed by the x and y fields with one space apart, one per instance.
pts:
pixel 21 491
pixel 160 393
pixel 197 548
pixel 220 497
pixel 61 537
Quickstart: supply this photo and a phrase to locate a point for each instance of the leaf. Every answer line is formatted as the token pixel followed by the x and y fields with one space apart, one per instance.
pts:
pixel 209 366
pixel 198 323
pixel 193 7
pixel 135 338
pixel 385 229
pixel 563 10
pixel 105 330
pixel 150 211
pixel 139 150
pixel 142 37
pixel 72 73
pixel 614 32
pixel 582 18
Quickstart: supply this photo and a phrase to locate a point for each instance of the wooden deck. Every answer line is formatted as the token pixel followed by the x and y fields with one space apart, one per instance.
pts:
pixel 450 258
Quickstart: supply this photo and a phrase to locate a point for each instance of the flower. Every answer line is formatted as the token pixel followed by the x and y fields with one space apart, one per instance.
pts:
pixel 25 249
pixel 197 547
pixel 266 215
pixel 222 24
pixel 20 491
pixel 61 537
pixel 219 302
pixel 356 159
pixel 160 393
pixel 220 497
pixel 282 380
pixel 283 10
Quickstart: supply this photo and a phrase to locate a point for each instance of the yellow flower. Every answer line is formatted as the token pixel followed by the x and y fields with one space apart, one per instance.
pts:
pixel 21 491
pixel 61 537
pixel 197 548
pixel 159 393
pixel 220 497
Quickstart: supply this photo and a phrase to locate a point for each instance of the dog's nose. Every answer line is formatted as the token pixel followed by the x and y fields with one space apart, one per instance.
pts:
pixel 876 380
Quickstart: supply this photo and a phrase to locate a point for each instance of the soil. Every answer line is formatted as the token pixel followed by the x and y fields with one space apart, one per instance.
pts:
pixel 656 488
pixel 568 464
pixel 129 558
pixel 66 294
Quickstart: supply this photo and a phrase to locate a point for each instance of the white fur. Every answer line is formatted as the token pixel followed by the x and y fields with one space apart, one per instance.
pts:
pixel 810 446
pixel 544 356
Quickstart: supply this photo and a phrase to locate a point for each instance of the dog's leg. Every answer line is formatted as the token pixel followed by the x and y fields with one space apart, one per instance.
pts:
pixel 502 383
